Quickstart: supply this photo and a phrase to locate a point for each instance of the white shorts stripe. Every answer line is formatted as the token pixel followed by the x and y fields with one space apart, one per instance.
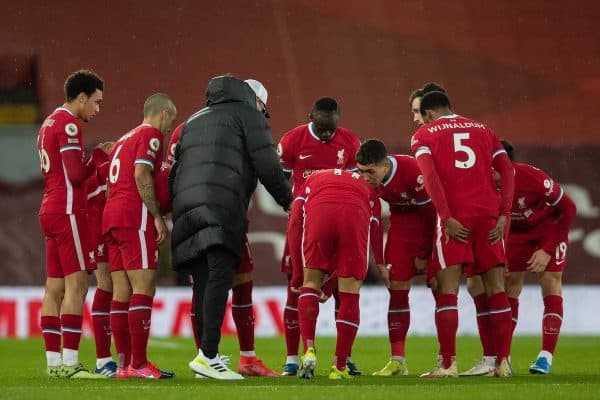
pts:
pixel 143 249
pixel 77 241
pixel 438 243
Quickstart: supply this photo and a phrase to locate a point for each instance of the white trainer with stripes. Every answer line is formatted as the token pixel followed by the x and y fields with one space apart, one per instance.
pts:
pixel 215 368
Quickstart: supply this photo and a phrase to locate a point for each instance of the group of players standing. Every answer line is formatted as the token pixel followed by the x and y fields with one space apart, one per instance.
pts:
pixel 460 206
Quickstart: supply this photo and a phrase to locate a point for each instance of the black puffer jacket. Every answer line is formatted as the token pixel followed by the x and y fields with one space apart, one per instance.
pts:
pixel 222 151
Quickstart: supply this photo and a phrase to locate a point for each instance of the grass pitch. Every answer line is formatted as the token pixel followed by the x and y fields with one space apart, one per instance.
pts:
pixel 575 374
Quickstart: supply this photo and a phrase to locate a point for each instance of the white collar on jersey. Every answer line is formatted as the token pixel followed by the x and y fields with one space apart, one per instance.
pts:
pixel 313 134
pixel 394 169
pixel 61 108
pixel 449 116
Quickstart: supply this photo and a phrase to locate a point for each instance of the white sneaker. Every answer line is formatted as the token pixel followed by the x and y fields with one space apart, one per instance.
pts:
pixel 215 368
pixel 482 368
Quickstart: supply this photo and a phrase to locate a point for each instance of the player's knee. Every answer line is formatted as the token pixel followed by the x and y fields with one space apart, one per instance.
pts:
pixel 475 286
pixel 551 283
pixel 240 279
pixel 400 285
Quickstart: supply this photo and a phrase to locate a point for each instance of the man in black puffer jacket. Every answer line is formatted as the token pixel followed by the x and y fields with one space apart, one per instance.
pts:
pixel 223 150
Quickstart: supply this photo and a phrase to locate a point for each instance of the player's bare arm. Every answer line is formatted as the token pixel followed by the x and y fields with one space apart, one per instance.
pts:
pixel 144 181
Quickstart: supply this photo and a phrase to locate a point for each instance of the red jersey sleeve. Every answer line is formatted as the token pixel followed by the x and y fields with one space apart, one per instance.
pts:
pixel 376 229
pixel 295 232
pixel 503 165
pixel 149 148
pixel 564 209
pixel 352 149
pixel 286 152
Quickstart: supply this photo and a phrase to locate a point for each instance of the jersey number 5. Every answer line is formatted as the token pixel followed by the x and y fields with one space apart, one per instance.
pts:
pixel 115 167
pixel 459 146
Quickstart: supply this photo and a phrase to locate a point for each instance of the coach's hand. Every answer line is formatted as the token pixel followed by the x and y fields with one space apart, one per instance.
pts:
pixel 420 265
pixel 538 261
pixel 162 232
pixel 384 273
pixel 456 230
pixel 496 234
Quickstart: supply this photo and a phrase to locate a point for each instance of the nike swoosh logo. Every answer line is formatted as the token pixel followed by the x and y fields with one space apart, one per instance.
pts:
pixel 303 157
pixel 559 262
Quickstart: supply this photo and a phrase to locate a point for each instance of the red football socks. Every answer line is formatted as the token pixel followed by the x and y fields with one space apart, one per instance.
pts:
pixel 308 311
pixel 51 332
pixel 71 330
pixel 398 321
pixel 483 325
pixel 347 322
pixel 446 322
pixel 243 315
pixel 140 314
pixel 551 322
pixel 119 324
pixel 101 322
pixel 292 326
pixel 501 324
pixel 514 308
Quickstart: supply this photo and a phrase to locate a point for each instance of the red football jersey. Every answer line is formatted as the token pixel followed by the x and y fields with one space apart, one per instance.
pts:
pixel 170 153
pixel 463 151
pixel 301 152
pixel 535 196
pixel 124 206
pixel 96 189
pixel 404 189
pixel 345 187
pixel 60 132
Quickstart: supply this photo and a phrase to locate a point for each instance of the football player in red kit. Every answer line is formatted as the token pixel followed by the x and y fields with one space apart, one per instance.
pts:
pixel 331 227
pixel 320 144
pixel 133 228
pixel 96 199
pixel 63 216
pixel 462 154
pixel 399 182
pixel 541 216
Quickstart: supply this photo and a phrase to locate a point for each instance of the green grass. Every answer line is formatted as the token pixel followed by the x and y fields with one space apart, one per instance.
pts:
pixel 575 373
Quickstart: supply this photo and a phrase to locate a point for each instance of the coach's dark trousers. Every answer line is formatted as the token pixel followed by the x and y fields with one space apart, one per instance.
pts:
pixel 213 276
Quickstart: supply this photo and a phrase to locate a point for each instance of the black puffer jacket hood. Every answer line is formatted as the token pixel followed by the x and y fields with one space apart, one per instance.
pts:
pixel 226 89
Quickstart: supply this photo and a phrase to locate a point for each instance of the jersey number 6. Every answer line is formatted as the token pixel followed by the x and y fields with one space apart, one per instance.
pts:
pixel 115 167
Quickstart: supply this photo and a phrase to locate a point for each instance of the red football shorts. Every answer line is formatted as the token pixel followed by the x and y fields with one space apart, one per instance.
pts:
pixel 405 241
pixel 478 255
pixel 95 236
pixel 130 248
pixel 336 238
pixel 247 263
pixel 67 246
pixel 521 246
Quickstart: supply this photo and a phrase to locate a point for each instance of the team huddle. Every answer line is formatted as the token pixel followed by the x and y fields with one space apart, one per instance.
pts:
pixel 459 206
